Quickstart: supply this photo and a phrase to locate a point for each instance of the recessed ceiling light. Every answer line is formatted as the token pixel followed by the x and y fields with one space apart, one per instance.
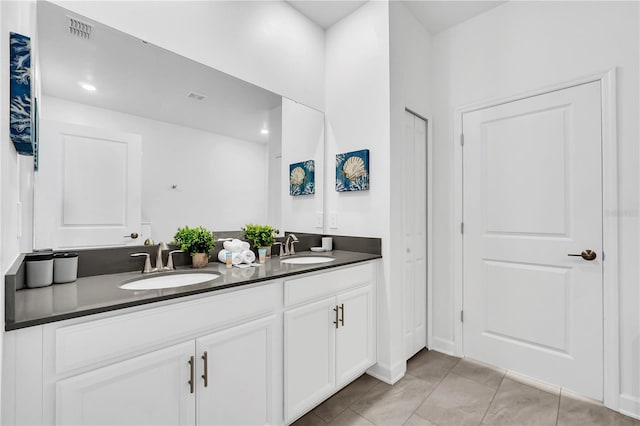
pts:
pixel 264 131
pixel 88 87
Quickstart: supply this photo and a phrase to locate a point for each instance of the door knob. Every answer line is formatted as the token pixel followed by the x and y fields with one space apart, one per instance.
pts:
pixel 586 254
pixel 133 235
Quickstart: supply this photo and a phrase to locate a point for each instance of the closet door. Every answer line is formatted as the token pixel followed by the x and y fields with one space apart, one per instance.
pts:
pixel 414 228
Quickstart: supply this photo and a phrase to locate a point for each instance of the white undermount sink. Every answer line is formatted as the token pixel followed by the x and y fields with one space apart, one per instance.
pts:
pixel 169 281
pixel 307 260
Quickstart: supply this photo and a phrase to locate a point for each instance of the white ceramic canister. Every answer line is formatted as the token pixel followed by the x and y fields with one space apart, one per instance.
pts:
pixel 39 269
pixel 65 267
pixel 327 243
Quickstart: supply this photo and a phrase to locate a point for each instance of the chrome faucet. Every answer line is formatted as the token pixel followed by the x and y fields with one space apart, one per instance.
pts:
pixel 288 245
pixel 159 267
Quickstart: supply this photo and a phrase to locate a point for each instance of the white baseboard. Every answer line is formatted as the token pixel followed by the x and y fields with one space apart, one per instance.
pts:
pixel 630 406
pixel 442 345
pixel 386 374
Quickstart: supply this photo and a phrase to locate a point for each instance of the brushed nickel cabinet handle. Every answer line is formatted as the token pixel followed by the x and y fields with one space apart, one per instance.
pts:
pixel 586 255
pixel 337 320
pixel 191 374
pixel 205 376
pixel 342 319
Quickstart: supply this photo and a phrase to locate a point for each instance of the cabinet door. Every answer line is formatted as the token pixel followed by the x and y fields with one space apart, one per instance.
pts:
pixel 151 389
pixel 355 342
pixel 309 355
pixel 240 375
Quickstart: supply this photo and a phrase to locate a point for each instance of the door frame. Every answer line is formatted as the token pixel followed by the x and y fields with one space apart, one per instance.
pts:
pixel 610 293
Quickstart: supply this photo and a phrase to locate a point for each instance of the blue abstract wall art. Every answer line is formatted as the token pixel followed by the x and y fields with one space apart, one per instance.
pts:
pixel 20 93
pixel 352 171
pixel 302 179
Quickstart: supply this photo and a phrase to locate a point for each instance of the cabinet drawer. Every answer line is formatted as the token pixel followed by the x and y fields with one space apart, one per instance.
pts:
pixel 98 341
pixel 326 283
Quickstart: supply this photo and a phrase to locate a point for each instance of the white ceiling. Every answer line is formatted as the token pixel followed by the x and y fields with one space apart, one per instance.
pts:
pixel 435 15
pixel 144 80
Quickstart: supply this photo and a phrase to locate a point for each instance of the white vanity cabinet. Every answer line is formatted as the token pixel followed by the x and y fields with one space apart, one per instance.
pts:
pixel 151 389
pixel 329 334
pixel 146 366
pixel 223 378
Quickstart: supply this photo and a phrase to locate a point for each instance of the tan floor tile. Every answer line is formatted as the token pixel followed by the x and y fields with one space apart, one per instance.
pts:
pixel 575 412
pixel 393 405
pixel 431 366
pixel 416 420
pixel 339 402
pixel 479 372
pixel 350 418
pixel 518 404
pixel 309 419
pixel 457 401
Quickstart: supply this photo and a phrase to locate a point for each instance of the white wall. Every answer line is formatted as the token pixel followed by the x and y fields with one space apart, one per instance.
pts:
pixel 267 43
pixel 302 140
pixel 221 181
pixel 15 170
pixel 521 46
pixel 357 117
pixel 410 72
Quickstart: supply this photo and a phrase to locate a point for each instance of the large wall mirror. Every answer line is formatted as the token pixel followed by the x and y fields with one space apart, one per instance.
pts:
pixel 135 139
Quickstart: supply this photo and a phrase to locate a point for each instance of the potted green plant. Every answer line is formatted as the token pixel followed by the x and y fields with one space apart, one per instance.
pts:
pixel 198 242
pixel 260 236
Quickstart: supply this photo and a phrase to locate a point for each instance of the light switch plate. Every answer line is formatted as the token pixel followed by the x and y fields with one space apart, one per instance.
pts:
pixel 319 220
pixel 333 220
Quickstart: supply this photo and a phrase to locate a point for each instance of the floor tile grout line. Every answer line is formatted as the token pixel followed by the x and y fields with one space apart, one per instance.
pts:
pixel 558 412
pixel 493 398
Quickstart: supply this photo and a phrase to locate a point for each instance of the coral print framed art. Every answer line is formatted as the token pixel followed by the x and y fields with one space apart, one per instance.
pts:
pixel 20 118
pixel 302 178
pixel 352 171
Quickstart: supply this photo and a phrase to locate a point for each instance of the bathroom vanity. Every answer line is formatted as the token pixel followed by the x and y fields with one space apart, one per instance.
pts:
pixel 259 346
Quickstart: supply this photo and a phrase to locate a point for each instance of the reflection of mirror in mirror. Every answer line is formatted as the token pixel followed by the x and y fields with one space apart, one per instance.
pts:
pixel 137 139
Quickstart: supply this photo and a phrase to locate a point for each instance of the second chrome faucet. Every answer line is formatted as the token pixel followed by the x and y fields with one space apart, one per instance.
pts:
pixel 159 266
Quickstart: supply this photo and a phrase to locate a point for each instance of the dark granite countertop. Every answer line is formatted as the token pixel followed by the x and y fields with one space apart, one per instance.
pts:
pixel 101 293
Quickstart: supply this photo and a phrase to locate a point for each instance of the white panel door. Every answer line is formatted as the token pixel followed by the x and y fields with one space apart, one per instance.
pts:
pixel 355 343
pixel 151 389
pixel 88 186
pixel 309 356
pixel 239 373
pixel 414 229
pixel 532 196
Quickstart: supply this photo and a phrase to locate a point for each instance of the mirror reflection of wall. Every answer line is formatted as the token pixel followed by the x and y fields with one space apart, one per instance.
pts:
pixel 210 144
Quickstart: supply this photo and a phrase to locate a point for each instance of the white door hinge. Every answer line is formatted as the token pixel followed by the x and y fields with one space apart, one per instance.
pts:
pixel 461 139
pixel 461 316
pixel 462 227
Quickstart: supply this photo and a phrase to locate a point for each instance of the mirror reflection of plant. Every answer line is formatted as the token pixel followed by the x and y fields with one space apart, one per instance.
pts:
pixel 195 240
pixel 259 235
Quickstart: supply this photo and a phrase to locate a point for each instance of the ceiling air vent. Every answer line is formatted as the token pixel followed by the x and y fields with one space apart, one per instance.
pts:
pixel 196 96
pixel 79 29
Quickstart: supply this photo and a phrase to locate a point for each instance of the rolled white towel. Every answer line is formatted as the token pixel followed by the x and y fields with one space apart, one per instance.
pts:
pixel 236 258
pixel 248 256
pixel 236 245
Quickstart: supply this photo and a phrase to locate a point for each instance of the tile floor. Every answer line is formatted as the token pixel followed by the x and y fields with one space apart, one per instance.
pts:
pixel 442 390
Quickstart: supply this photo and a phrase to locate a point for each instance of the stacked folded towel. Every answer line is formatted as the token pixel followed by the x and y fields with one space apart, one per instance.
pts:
pixel 236 246
pixel 240 252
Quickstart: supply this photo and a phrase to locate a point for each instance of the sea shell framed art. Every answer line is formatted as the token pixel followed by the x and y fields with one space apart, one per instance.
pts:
pixel 20 118
pixel 352 171
pixel 302 178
